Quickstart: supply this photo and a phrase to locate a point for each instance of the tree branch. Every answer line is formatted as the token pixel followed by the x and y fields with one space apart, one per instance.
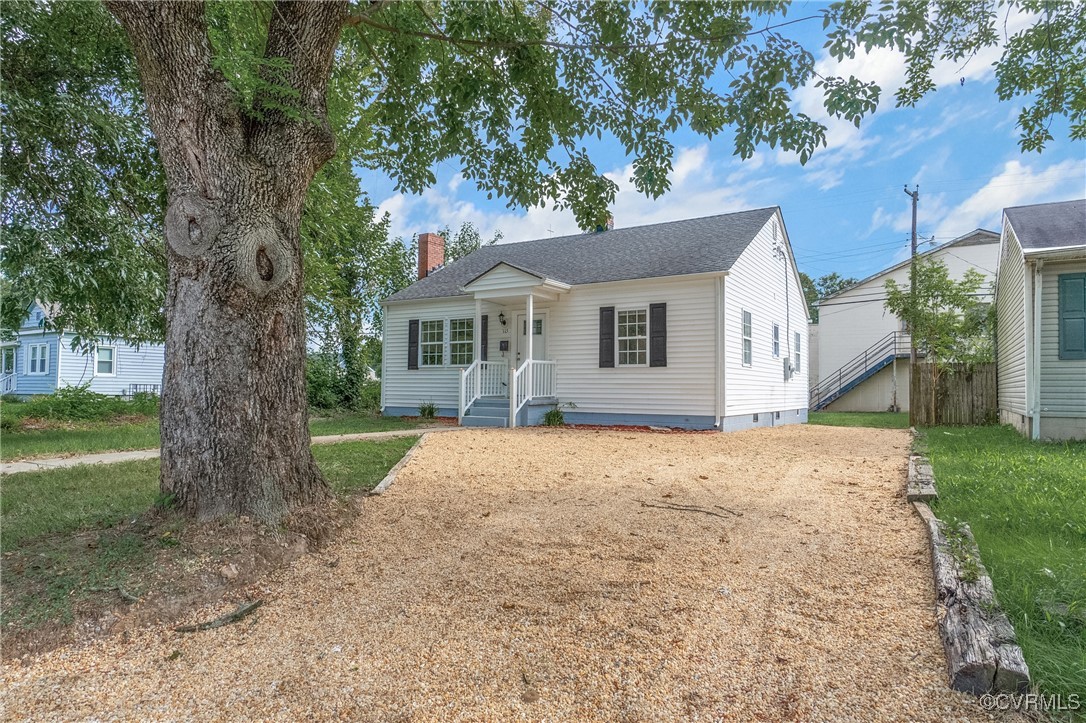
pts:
pixel 305 35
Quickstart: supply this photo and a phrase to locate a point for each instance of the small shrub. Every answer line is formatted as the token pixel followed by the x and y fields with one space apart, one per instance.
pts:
pixel 144 403
pixel 555 417
pixel 427 410
pixel 75 404
pixel 11 399
pixel 7 425
pixel 322 381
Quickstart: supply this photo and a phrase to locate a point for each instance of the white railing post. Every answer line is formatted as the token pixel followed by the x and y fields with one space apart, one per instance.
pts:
pixel 512 395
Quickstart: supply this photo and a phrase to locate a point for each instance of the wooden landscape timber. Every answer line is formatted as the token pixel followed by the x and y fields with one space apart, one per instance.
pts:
pixel 981 651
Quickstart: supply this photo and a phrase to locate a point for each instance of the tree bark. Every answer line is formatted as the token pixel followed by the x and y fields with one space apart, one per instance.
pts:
pixel 235 437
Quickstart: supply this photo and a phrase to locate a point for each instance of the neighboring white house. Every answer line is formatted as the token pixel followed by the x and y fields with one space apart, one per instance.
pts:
pixel 1041 320
pixel 698 324
pixel 39 361
pixel 863 350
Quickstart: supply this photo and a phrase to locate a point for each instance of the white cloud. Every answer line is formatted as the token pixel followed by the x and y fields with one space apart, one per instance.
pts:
pixel 886 68
pixel 695 191
pixel 1016 184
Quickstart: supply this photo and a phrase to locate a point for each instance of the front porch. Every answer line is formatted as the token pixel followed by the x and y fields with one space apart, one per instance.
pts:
pixel 517 388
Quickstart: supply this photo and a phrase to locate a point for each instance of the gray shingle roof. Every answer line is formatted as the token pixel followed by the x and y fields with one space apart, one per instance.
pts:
pixel 676 248
pixel 1049 225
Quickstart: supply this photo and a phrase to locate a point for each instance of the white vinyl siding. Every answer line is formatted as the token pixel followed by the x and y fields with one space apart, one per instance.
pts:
pixel 132 367
pixel 37 359
pixel 748 341
pixel 1063 381
pixel 403 387
pixel 633 337
pixel 766 285
pixel 684 387
pixel 1010 326
pixel 432 343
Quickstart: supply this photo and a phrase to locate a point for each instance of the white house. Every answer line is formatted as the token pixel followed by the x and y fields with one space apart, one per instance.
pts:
pixel 863 350
pixel 39 361
pixel 1041 320
pixel 698 324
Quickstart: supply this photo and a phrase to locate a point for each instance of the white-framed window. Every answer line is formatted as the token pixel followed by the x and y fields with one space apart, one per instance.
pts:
pixel 432 343
pixel 461 341
pixel 776 341
pixel 8 361
pixel 37 359
pixel 798 340
pixel 748 345
pixel 633 337
pixel 105 361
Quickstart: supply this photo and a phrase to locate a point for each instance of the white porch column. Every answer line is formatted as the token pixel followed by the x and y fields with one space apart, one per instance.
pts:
pixel 530 332
pixel 477 331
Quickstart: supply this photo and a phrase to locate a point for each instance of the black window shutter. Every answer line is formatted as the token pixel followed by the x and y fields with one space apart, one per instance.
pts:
pixel 483 337
pixel 607 337
pixel 413 344
pixel 657 335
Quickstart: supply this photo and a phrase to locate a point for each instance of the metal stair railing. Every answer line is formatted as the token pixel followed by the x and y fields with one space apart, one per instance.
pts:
pixel 869 360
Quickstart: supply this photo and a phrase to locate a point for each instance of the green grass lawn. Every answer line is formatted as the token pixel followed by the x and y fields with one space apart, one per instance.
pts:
pixel 356 422
pixel 78 438
pixel 881 420
pixel 89 437
pixel 95 496
pixel 1026 504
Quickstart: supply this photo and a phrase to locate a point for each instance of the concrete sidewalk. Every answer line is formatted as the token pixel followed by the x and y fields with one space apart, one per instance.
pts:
pixel 35 465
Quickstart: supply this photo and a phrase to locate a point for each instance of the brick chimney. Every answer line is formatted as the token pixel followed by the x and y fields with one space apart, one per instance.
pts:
pixel 431 253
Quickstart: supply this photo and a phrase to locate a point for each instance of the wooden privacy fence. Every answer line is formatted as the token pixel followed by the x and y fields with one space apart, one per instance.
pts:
pixel 966 395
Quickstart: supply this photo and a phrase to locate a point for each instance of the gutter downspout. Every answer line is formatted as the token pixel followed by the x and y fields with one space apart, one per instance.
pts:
pixel 1035 371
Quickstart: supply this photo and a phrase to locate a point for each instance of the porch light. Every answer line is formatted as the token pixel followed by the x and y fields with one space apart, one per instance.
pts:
pixel 501 318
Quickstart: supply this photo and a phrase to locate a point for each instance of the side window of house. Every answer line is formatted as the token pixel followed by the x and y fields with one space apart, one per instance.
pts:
pixel 798 340
pixel 105 361
pixel 748 347
pixel 776 340
pixel 633 337
pixel 432 343
pixel 37 359
pixel 461 341
pixel 1072 316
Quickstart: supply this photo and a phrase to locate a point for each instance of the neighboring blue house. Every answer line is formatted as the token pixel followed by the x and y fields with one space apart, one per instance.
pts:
pixel 38 361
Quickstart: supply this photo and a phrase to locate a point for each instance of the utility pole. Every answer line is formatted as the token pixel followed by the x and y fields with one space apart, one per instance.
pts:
pixel 915 196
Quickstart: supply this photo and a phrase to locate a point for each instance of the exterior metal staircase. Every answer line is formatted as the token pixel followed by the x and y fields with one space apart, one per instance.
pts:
pixel 487 412
pixel 862 367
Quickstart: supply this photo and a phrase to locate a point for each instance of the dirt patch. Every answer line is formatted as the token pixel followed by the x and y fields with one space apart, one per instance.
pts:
pixel 146 570
pixel 521 574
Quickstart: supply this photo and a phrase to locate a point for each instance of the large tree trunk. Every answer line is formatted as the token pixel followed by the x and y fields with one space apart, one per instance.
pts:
pixel 235 439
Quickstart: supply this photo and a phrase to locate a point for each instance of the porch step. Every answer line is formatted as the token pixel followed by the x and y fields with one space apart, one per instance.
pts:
pixel 478 420
pixel 485 403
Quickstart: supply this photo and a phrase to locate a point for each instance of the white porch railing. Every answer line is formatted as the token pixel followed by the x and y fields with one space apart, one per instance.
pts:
pixel 534 378
pixel 481 379
pixel 7 384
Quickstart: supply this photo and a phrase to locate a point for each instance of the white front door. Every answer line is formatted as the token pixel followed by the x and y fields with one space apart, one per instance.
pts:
pixel 539 337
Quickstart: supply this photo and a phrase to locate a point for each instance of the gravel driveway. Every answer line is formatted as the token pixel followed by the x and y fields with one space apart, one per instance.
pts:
pixel 567 575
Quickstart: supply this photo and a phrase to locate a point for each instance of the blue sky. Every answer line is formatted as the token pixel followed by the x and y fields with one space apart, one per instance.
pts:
pixel 845 210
